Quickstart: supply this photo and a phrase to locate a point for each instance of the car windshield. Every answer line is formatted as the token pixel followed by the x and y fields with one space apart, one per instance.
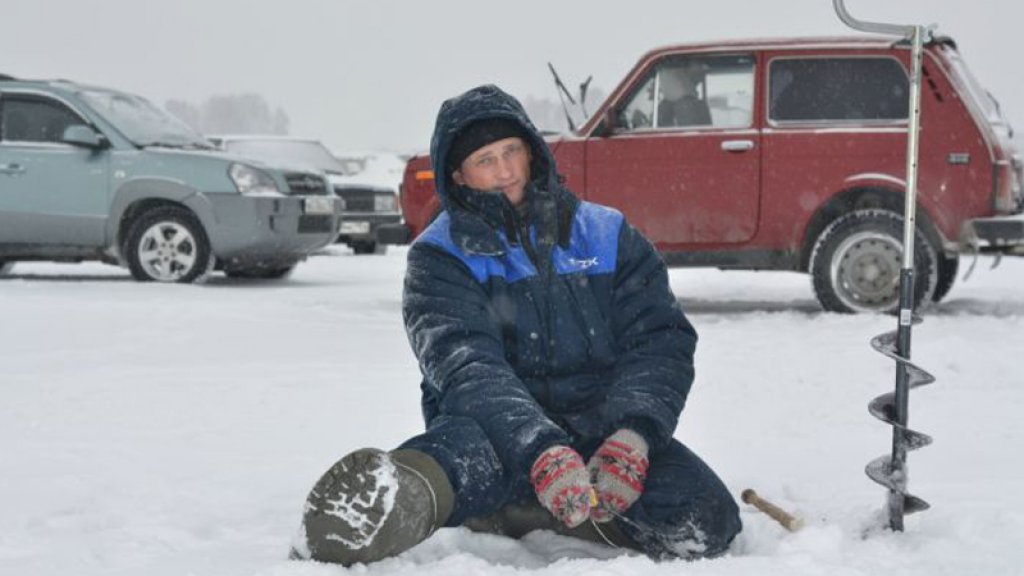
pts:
pixel 142 122
pixel 307 153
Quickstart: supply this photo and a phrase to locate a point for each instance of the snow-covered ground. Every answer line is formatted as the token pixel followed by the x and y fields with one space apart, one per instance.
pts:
pixel 175 430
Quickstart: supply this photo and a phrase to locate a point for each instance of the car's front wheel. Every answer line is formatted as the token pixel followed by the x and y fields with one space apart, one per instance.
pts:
pixel 168 244
pixel 856 263
pixel 948 267
pixel 5 267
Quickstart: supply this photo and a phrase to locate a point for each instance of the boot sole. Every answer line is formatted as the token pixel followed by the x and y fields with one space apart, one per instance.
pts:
pixel 348 505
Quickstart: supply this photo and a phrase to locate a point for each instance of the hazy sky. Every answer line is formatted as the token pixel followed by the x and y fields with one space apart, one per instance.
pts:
pixel 366 74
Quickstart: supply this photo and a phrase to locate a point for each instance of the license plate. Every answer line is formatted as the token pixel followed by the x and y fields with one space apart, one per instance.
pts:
pixel 355 227
pixel 319 205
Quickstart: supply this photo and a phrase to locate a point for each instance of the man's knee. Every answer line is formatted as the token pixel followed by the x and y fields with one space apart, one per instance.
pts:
pixel 702 527
pixel 685 511
pixel 463 450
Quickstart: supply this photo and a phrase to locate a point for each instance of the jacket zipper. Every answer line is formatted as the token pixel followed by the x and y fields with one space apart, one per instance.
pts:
pixel 546 270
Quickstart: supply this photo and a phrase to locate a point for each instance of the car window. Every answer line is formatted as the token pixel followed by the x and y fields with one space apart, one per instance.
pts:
pixel 694 92
pixel 837 89
pixel 34 119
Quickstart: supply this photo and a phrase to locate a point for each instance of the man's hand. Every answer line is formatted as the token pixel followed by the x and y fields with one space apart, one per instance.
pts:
pixel 618 470
pixel 562 484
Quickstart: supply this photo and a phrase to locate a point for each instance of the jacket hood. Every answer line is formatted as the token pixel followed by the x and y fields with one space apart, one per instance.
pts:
pixel 485 102
pixel 476 216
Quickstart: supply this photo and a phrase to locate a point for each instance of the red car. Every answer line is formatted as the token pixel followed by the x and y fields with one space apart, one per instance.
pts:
pixel 791 155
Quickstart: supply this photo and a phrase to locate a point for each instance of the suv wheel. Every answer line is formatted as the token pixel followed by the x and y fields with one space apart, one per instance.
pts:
pixel 5 267
pixel 168 244
pixel 856 262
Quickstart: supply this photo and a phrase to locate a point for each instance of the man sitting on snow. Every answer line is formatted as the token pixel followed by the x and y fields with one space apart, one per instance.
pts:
pixel 556 363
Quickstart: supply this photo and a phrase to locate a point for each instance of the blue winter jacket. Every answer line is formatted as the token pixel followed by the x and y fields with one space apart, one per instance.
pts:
pixel 551 327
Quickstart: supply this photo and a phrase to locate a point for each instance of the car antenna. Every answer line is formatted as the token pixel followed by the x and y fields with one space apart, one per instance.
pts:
pixel 563 94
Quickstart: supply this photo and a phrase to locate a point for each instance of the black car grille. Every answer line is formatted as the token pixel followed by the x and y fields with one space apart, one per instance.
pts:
pixel 304 183
pixel 357 199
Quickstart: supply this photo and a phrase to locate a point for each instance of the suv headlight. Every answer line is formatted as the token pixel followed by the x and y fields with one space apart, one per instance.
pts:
pixel 384 203
pixel 249 180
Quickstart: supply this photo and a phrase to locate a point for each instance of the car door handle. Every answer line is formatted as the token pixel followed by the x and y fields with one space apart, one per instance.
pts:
pixel 12 169
pixel 737 145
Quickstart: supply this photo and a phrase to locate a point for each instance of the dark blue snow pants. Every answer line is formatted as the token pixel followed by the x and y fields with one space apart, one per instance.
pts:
pixel 685 510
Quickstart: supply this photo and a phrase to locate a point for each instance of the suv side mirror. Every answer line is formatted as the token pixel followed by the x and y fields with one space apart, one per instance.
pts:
pixel 82 135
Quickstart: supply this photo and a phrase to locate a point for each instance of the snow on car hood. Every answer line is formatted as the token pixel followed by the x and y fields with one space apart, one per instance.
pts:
pixel 369 178
pixel 231 158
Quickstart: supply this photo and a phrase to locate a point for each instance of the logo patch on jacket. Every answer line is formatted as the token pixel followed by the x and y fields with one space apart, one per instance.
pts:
pixel 583 263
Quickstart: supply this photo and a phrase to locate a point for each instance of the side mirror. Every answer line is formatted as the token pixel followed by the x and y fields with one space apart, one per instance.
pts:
pixel 82 135
pixel 611 119
pixel 609 123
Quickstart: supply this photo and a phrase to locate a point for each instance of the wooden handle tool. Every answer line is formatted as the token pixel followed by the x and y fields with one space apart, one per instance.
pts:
pixel 788 521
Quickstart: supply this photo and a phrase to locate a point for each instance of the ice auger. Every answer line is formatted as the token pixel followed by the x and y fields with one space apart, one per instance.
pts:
pixel 891 470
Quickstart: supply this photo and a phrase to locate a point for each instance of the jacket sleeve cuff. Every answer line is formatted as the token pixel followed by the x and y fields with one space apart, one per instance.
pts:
pixel 645 428
pixel 538 448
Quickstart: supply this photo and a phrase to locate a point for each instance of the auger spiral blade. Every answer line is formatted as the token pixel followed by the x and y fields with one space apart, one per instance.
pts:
pixel 882 470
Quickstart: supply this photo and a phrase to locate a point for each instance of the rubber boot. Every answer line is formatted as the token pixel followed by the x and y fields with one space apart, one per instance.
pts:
pixel 518 520
pixel 372 505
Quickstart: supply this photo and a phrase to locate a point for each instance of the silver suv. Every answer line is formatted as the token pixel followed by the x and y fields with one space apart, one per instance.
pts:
pixel 89 173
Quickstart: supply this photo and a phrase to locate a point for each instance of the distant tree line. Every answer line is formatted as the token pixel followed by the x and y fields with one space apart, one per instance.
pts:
pixel 250 113
pixel 231 114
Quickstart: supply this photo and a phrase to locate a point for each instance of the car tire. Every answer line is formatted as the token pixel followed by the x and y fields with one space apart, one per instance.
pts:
pixel 168 244
pixel 5 267
pixel 856 262
pixel 260 273
pixel 369 248
pixel 948 268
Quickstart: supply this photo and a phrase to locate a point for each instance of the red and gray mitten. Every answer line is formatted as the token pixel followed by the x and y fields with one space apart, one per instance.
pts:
pixel 618 470
pixel 562 484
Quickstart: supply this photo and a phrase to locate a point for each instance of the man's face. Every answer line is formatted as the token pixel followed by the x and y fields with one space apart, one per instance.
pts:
pixel 502 165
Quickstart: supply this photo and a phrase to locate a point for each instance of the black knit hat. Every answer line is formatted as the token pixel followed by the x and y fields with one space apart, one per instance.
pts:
pixel 477 135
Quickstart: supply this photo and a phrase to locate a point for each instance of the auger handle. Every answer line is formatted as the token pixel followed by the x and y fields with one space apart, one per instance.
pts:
pixel 787 520
pixel 871 27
